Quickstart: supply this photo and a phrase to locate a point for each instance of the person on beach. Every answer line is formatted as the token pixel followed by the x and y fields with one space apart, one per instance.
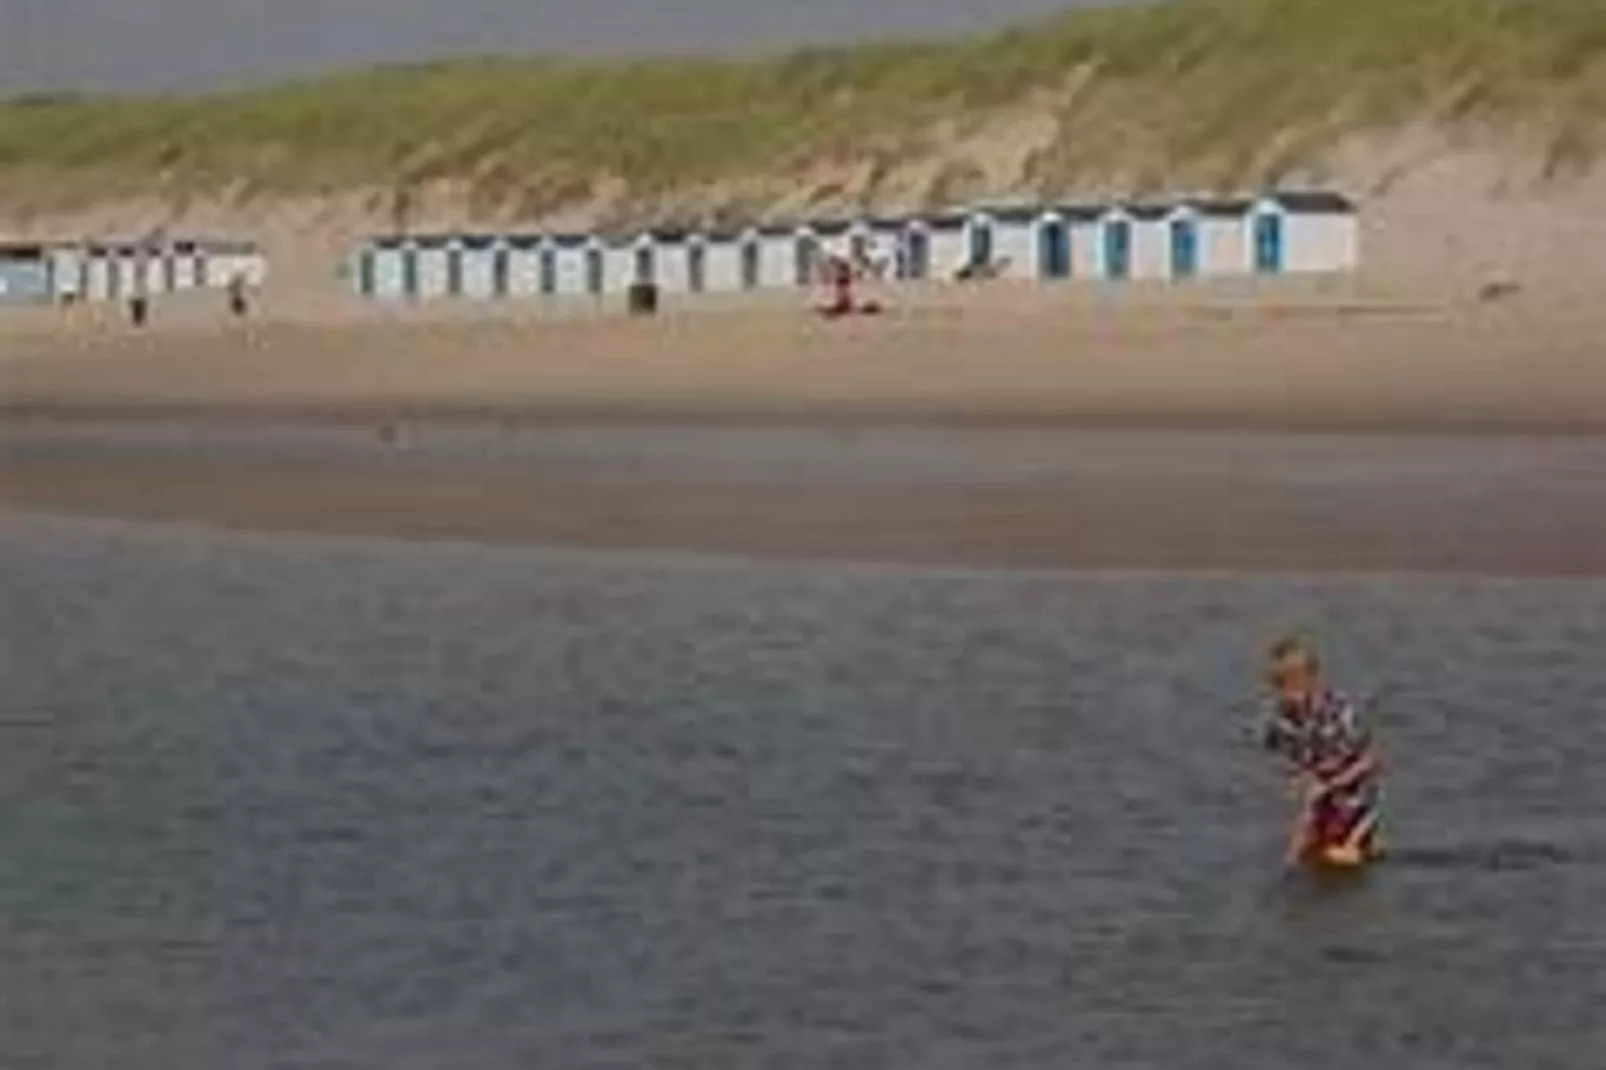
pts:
pixel 1320 733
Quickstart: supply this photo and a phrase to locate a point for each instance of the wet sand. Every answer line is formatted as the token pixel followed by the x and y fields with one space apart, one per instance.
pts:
pixel 1045 499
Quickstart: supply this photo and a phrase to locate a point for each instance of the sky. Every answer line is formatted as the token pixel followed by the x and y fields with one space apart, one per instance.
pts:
pixel 141 45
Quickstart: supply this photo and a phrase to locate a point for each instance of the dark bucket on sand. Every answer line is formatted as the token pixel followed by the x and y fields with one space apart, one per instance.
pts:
pixel 643 299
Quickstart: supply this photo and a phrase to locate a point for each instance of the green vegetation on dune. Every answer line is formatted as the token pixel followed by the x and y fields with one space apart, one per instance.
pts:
pixel 1205 88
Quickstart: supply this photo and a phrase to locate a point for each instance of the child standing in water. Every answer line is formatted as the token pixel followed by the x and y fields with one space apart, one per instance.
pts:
pixel 1321 735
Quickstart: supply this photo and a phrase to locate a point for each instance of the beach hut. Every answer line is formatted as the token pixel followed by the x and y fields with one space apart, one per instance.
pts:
pixel 1302 231
pixel 678 259
pixel 26 275
pixel 501 268
pixel 128 266
pixel 578 265
pixel 186 266
pixel 526 264
pixel 822 240
pixel 1079 226
pixel 773 259
pixel 386 269
pixel 947 239
pixel 1001 240
pixel 878 242
pixel 1220 233
pixel 729 259
pixel 1183 246
pixel 1151 239
pixel 1065 239
pixel 153 268
pixel 1053 260
pixel 802 262
pixel 1115 244
pixel 434 259
pixel 99 273
pixel 69 272
pixel 472 267
pixel 627 259
pixel 912 260
pixel 225 259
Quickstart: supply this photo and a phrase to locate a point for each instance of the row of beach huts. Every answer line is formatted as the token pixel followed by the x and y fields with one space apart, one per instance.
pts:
pixel 1278 233
pixel 34 272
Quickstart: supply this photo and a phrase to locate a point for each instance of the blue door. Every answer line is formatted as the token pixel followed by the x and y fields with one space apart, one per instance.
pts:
pixel 807 252
pixel 1053 250
pixel 594 271
pixel 549 271
pixel 1117 249
pixel 409 259
pixel 1268 243
pixel 916 255
pixel 981 244
pixel 454 272
pixel 696 267
pixel 750 265
pixel 645 265
pixel 500 273
pixel 1184 249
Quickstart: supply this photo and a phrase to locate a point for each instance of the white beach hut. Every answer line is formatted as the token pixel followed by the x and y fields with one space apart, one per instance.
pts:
pixel 677 259
pixel 912 260
pixel 1065 236
pixel 1083 224
pixel 777 255
pixel 225 258
pixel 397 269
pixel 950 235
pixel 878 241
pixel 1302 231
pixel 627 259
pixel 834 238
pixel 127 270
pixel 1003 238
pixel 730 258
pixel 1221 234
pixel 1151 239
pixel 431 266
pixel 477 269
pixel 578 265
pixel 807 252
pixel 528 265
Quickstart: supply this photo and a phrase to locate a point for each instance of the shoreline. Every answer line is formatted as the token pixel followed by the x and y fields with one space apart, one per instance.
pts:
pixel 396 417
pixel 1127 501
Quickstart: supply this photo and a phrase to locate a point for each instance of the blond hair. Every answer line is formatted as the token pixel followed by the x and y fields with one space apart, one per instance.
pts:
pixel 1289 648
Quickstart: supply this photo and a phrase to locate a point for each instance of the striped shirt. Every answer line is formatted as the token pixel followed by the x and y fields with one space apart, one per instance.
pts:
pixel 1323 739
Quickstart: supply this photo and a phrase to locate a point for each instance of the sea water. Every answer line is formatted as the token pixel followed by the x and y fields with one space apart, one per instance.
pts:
pixel 300 802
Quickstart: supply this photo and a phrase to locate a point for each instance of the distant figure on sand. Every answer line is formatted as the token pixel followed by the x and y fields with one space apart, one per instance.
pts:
pixel 239 304
pixel 840 276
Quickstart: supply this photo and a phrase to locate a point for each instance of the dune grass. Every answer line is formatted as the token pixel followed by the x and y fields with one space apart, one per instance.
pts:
pixel 1170 86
